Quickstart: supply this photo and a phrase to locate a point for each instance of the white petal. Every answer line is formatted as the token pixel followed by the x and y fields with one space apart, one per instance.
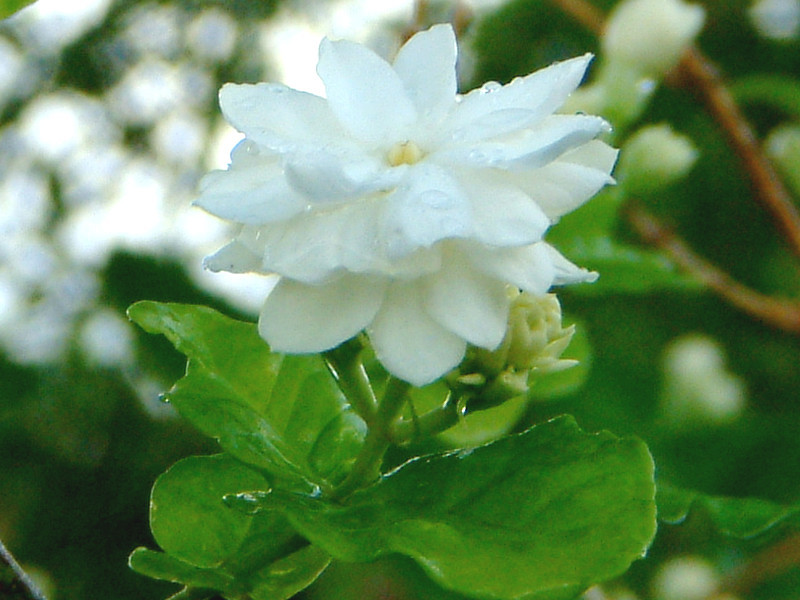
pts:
pixel 530 268
pixel 504 215
pixel 566 272
pixel 278 117
pixel 432 206
pixel 496 110
pixel 531 148
pixel 254 194
pixel 324 177
pixel 235 257
pixel 426 65
pixel 364 92
pixel 467 302
pixel 312 247
pixel 408 342
pixel 306 318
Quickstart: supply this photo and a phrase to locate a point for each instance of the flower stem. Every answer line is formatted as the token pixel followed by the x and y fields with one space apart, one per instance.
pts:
pixel 432 422
pixel 14 583
pixel 367 467
pixel 344 362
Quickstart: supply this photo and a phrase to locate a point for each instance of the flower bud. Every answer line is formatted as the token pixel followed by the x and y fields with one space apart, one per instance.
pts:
pixel 783 147
pixel 776 19
pixel 685 578
pixel 533 344
pixel 699 390
pixel 651 35
pixel 653 158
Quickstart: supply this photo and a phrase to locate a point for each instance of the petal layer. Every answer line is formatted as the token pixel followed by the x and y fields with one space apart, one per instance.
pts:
pixel 302 318
pixel 408 342
pixel 364 92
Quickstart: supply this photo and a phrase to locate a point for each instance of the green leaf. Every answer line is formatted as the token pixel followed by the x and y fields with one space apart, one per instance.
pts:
pixel 188 517
pixel 626 269
pixel 777 91
pixel 9 7
pixel 266 409
pixel 286 577
pixel 742 518
pixel 543 514
pixel 168 568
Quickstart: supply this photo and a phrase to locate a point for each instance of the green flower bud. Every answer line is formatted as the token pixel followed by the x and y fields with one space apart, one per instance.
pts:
pixel 651 35
pixel 654 158
pixel 783 146
pixel 533 345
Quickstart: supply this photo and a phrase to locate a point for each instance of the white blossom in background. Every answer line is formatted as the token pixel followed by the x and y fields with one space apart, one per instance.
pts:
pixel 650 35
pixel 699 390
pixel 399 207
pixel 776 19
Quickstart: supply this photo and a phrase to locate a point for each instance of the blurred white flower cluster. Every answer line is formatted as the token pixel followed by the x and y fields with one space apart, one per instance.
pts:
pixel 396 206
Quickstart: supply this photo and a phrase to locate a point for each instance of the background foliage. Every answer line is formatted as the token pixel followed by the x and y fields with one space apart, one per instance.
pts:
pixel 82 441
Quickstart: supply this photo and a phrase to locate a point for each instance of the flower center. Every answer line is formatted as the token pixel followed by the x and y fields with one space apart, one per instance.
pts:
pixel 405 153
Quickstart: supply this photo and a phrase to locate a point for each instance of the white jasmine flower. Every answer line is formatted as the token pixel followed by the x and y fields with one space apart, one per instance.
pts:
pixel 398 207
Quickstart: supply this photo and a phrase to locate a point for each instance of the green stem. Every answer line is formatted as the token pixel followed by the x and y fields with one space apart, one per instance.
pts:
pixel 431 423
pixel 345 364
pixel 367 466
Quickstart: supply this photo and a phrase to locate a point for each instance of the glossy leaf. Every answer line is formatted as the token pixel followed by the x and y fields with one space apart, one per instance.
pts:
pixel 286 577
pixel 188 517
pixel 266 409
pixel 543 514
pixel 168 568
pixel 736 517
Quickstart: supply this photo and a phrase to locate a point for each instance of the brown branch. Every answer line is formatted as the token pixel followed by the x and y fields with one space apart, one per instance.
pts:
pixel 783 314
pixel 697 73
pixel 768 564
pixel 583 12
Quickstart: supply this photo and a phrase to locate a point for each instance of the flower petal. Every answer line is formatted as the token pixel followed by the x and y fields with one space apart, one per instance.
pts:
pixel 234 257
pixel 305 318
pixel 432 206
pixel 531 148
pixel 503 214
pixel 566 272
pixel 566 183
pixel 278 117
pixel 364 92
pixel 530 268
pixel 324 177
pixel 313 247
pixel 467 302
pixel 408 342
pixel 426 64
pixel 253 194
pixel 494 110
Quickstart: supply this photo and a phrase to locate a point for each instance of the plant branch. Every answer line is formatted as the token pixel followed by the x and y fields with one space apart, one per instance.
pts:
pixel 366 468
pixel 14 582
pixel 588 15
pixel 344 363
pixel 696 72
pixel 783 314
pixel 765 566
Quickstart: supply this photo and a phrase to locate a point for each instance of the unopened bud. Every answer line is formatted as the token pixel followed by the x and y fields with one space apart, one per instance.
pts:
pixel 776 19
pixel 783 146
pixel 685 578
pixel 533 345
pixel 699 390
pixel 653 158
pixel 651 35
